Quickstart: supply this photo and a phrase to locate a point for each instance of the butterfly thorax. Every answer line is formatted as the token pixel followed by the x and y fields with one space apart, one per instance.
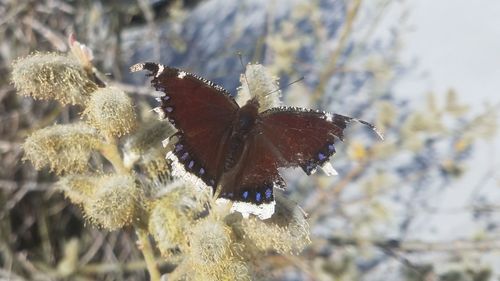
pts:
pixel 241 127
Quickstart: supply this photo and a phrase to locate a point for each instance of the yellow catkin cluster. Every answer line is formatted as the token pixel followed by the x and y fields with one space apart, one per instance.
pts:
pixel 167 224
pixel 221 245
pixel 51 76
pixel 116 202
pixel 228 269
pixel 64 148
pixel 111 111
pixel 210 241
pixel 286 232
pixel 172 216
pixel 209 255
pixel 262 85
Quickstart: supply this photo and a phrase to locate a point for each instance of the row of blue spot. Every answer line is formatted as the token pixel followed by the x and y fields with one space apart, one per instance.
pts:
pixel 331 151
pixel 164 100
pixel 268 194
pixel 178 148
pixel 311 165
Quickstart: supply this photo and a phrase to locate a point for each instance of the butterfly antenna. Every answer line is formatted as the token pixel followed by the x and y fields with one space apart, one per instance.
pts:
pixel 286 86
pixel 240 56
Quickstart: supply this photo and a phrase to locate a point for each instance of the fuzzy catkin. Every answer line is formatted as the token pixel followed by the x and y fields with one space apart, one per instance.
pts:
pixel 209 242
pixel 111 111
pixel 51 76
pixel 64 148
pixel 228 269
pixel 168 225
pixel 145 148
pixel 210 256
pixel 116 203
pixel 173 214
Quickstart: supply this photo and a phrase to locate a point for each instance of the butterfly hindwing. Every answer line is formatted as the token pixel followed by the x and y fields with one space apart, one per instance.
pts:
pixel 255 175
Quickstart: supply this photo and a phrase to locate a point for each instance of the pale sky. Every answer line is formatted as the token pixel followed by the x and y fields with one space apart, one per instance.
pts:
pixel 458 43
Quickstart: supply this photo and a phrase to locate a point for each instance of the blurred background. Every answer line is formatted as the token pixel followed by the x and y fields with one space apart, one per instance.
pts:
pixel 420 205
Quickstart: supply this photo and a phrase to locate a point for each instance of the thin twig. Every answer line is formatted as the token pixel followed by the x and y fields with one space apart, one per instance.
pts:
pixel 147 250
pixel 134 89
pixel 331 67
pixel 416 246
pixel 55 39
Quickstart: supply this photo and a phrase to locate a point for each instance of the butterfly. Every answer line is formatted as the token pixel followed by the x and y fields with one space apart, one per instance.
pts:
pixel 240 149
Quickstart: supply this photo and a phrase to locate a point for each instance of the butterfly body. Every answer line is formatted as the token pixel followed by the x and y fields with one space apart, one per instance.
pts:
pixel 240 149
pixel 243 125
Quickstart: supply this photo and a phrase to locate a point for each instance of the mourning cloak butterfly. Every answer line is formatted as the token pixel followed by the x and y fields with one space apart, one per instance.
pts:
pixel 238 148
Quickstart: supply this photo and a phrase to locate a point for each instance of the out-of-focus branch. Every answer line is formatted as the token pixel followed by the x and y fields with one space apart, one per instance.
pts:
pixel 55 39
pixel 133 89
pixel 331 67
pixel 411 247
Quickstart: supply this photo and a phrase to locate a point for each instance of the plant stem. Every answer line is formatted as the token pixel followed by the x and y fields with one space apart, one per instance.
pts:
pixel 110 151
pixel 104 268
pixel 147 251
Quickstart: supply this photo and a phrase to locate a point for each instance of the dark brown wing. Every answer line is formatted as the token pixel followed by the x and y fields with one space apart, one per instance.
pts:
pixel 201 111
pixel 303 138
pixel 253 178
pixel 283 137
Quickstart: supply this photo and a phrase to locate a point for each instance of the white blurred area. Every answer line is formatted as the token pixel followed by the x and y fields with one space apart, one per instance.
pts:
pixel 456 44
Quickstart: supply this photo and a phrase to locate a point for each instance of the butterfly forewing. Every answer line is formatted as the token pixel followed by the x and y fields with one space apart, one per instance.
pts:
pixel 303 138
pixel 202 113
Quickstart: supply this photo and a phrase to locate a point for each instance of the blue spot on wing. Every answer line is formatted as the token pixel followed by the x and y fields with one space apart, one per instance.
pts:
pixel 309 167
pixel 331 148
pixel 258 197
pixel 178 147
pixel 269 193
pixel 184 156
